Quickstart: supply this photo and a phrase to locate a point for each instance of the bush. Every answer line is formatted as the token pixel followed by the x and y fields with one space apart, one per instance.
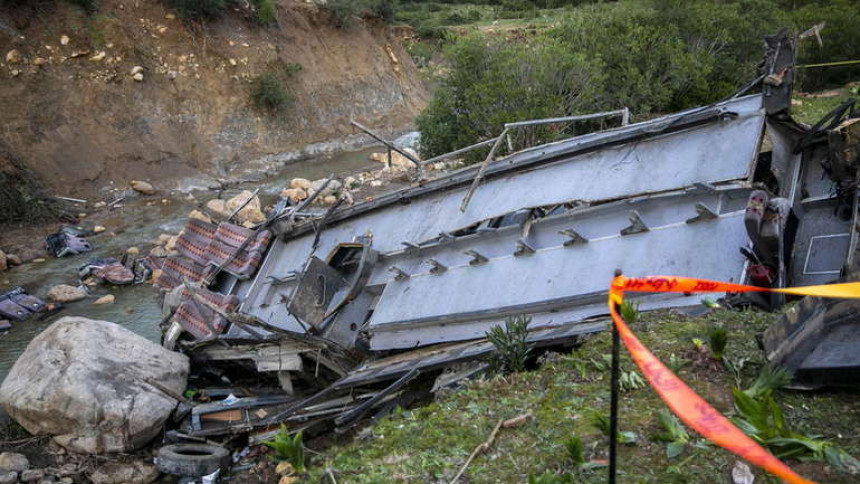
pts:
pixel 455 19
pixel 198 9
pixel 512 349
pixel 652 56
pixel 493 82
pixel 342 12
pixel 383 9
pixel 266 12
pixel 270 91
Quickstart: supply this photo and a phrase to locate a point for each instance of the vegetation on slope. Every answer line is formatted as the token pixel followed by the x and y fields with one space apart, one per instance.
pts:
pixel 569 395
pixel 652 57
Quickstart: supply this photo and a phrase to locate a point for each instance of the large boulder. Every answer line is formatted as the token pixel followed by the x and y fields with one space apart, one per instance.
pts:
pixel 94 386
pixel 251 207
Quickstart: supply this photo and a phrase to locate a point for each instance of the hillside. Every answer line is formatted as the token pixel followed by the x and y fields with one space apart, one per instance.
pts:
pixel 81 122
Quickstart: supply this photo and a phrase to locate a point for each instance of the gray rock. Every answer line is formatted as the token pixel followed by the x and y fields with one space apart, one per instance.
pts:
pixel 93 385
pixel 137 472
pixel 10 461
pixel 32 475
pixel 333 187
pixel 8 477
pixel 64 293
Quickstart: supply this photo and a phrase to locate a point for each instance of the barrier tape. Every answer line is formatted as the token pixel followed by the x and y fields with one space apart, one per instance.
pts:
pixel 692 409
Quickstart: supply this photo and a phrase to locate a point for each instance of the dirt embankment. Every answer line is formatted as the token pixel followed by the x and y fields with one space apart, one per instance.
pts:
pixel 81 122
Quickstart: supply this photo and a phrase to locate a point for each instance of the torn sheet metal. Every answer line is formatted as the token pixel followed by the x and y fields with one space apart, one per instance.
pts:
pixel 555 280
pixel 716 144
pixel 817 341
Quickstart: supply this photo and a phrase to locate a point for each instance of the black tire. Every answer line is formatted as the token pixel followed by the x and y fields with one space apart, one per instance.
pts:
pixel 193 460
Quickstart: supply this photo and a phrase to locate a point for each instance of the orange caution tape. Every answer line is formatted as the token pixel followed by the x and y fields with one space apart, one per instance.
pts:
pixel 692 409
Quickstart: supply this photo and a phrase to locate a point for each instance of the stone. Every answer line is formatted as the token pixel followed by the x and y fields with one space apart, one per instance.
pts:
pixel 136 472
pixel 38 260
pixel 3 264
pixel 171 243
pixel 198 215
pixel 109 299
pixel 13 57
pixel 68 470
pixel 251 212
pixel 32 475
pixel 164 238
pixel 8 477
pixel 158 252
pixel 294 194
pixel 284 468
pixel 302 183
pixel 289 480
pixel 64 293
pixel 350 182
pixel 136 70
pixel 64 39
pixel 333 187
pixel 138 77
pixel 40 61
pixel 98 57
pixel 218 207
pixel 330 200
pixel 132 251
pixel 14 462
pixel 13 260
pixel 376 183
pixel 98 229
pixel 170 16
pixel 741 473
pixel 94 386
pixel 143 187
pixel 99 204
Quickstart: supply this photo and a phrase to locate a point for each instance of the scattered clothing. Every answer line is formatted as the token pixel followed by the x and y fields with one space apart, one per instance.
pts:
pixel 68 241
pixel 109 270
pixel 17 305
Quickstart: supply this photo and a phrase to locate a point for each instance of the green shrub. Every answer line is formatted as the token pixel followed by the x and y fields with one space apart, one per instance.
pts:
pixel 383 9
pixel 290 449
pixel 717 340
pixel 341 12
pixel 266 12
pixel 270 90
pixel 652 56
pixel 455 19
pixel 199 9
pixel 512 350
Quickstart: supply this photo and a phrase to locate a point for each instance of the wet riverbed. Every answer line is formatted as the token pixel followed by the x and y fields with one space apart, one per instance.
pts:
pixel 137 224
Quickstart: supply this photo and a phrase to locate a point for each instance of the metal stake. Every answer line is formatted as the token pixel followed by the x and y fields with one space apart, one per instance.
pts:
pixel 613 402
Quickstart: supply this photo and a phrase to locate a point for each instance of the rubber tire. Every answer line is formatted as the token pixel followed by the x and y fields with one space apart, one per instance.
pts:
pixel 193 460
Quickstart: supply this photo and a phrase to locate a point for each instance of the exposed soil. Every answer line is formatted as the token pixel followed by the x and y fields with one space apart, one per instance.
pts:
pixel 81 121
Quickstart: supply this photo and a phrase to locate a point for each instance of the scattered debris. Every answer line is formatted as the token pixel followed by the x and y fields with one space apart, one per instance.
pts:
pixel 68 241
pixel 17 305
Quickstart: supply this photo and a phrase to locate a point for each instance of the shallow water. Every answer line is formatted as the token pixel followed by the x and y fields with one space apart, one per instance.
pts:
pixel 135 224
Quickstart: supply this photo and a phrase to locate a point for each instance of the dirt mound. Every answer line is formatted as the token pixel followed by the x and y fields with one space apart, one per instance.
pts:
pixel 73 109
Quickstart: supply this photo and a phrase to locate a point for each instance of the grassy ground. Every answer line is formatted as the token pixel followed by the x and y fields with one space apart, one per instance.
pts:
pixel 429 444
pixel 809 108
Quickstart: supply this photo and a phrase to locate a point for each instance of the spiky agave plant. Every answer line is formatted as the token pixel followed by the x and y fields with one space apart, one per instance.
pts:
pixel 512 349
pixel 718 338
pixel 290 449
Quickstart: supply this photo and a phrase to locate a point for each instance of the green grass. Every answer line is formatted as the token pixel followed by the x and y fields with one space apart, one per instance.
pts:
pixel 430 443
pixel 813 109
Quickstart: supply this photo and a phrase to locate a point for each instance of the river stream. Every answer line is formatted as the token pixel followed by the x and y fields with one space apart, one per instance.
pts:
pixel 138 224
